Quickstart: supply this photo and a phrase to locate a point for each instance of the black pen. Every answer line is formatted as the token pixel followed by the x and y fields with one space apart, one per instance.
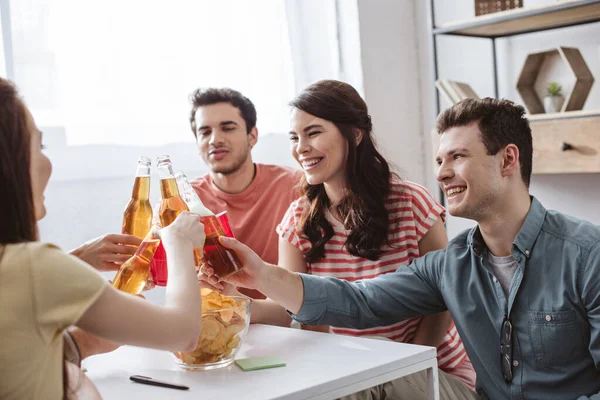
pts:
pixel 146 380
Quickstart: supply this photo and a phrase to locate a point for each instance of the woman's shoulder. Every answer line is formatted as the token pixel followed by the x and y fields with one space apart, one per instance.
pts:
pixel 27 250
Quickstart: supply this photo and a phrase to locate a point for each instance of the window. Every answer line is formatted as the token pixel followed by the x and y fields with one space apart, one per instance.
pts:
pixel 120 72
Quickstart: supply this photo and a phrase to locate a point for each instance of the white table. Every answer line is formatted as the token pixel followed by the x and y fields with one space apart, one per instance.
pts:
pixel 319 366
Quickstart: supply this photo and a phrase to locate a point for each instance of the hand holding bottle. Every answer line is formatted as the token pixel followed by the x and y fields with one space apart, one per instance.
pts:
pixel 186 228
pixel 253 272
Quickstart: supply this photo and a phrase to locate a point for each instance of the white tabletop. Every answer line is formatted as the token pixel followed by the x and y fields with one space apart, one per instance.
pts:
pixel 319 365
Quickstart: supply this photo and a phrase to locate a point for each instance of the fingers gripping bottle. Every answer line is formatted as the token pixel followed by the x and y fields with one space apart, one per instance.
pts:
pixel 137 218
pixel 224 261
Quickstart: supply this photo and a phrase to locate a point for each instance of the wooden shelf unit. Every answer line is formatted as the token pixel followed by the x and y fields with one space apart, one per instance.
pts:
pixel 524 20
pixel 566 115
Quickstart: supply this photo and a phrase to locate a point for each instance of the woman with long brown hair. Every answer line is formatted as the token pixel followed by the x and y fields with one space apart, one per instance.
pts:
pixel 356 219
pixel 44 290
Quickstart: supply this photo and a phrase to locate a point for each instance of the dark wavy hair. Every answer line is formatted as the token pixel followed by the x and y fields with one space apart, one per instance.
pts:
pixel 368 175
pixel 17 211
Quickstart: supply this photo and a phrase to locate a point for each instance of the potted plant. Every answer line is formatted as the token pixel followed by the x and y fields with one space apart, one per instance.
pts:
pixel 553 101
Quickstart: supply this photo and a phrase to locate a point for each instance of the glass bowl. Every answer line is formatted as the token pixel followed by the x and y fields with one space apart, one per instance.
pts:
pixel 221 334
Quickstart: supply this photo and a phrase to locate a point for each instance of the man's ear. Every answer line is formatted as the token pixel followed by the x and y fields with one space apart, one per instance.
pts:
pixel 358 135
pixel 510 160
pixel 253 137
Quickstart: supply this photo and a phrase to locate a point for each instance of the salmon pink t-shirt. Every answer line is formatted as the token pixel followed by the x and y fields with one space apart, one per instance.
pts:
pixel 255 212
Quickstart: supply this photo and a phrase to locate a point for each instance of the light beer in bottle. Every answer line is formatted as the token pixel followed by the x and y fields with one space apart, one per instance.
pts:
pixel 223 261
pixel 134 273
pixel 137 218
pixel 171 204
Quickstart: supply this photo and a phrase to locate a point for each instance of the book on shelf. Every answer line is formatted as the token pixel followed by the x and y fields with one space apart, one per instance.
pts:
pixel 454 91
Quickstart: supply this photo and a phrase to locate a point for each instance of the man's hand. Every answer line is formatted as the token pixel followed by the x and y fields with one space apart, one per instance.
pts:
pixel 107 252
pixel 89 344
pixel 250 276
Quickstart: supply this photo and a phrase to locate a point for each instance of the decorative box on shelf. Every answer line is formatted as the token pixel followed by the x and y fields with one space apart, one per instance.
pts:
pixel 483 7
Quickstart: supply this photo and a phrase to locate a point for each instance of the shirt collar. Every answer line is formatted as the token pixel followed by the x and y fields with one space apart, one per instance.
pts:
pixel 527 234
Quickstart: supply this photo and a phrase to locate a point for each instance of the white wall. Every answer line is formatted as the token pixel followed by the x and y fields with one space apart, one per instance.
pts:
pixel 469 60
pixel 391 75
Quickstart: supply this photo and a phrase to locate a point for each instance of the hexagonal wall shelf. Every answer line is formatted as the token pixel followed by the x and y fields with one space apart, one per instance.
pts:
pixel 529 73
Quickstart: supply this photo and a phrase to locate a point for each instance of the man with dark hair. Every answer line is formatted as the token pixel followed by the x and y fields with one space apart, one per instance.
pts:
pixel 523 286
pixel 255 196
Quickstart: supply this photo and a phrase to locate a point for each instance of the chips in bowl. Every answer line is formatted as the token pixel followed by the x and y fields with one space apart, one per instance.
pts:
pixel 225 321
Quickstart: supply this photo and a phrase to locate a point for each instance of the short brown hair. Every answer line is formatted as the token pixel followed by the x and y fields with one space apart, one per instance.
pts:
pixel 501 122
pixel 209 96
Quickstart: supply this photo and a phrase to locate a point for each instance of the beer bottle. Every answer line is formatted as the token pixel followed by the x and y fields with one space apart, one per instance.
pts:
pixel 224 261
pixel 189 195
pixel 171 204
pixel 137 218
pixel 194 204
pixel 135 272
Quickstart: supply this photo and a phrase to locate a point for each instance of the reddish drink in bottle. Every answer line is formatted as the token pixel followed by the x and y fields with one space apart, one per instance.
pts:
pixel 223 261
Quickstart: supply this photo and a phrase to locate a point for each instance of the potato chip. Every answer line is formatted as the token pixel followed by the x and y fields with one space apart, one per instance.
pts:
pixel 226 315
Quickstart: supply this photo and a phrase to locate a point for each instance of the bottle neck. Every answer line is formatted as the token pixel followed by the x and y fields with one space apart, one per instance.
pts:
pixel 142 170
pixel 165 171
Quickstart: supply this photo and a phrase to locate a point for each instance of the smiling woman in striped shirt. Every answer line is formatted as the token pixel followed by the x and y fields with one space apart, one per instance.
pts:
pixel 356 219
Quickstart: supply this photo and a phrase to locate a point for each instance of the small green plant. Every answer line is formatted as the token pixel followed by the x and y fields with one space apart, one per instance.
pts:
pixel 554 89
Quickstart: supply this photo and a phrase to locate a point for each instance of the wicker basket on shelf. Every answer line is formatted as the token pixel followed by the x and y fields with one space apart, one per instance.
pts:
pixel 491 6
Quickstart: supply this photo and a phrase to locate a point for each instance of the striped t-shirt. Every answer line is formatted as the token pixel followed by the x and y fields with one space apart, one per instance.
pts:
pixel 412 211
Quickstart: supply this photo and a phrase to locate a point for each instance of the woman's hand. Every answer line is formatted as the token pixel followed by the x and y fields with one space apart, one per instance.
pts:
pixel 108 252
pixel 186 227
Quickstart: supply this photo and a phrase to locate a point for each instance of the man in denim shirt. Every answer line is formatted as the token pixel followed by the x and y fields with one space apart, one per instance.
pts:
pixel 523 286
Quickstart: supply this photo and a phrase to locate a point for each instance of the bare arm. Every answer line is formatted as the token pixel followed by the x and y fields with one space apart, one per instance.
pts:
pixel 124 318
pixel 433 328
pixel 267 311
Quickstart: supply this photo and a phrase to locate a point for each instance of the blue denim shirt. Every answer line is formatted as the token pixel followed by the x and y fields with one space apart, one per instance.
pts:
pixel 553 303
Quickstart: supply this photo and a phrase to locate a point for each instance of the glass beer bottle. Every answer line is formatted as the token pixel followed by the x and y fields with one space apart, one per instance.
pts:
pixel 137 218
pixel 223 261
pixel 171 204
pixel 194 204
pixel 135 272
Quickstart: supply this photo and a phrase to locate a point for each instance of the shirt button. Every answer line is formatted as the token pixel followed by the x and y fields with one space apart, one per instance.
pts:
pixel 515 363
pixel 495 280
pixel 548 318
pixel 527 253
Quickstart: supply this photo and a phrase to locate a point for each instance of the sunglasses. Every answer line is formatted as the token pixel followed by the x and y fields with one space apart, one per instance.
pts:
pixel 506 349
